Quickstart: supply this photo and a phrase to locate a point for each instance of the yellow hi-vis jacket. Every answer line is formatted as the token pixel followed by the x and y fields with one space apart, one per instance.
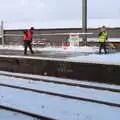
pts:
pixel 103 37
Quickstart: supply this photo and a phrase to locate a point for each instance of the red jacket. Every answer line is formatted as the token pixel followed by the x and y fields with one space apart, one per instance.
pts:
pixel 28 35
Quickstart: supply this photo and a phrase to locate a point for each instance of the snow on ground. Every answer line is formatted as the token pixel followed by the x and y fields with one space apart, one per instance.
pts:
pixel 63 80
pixel 111 59
pixel 57 107
pixel 8 115
pixel 54 49
pixel 109 40
pixel 69 49
pixel 11 47
pixel 64 89
pixel 61 108
pixel 91 58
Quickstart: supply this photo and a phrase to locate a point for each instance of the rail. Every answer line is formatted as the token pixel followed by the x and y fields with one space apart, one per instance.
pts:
pixel 62 95
pixel 37 116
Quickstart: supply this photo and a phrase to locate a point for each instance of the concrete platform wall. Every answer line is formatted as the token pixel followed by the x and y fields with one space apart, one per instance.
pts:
pixel 63 69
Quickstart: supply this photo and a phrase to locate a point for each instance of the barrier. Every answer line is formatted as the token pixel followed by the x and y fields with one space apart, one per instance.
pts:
pixel 49 39
pixel 59 37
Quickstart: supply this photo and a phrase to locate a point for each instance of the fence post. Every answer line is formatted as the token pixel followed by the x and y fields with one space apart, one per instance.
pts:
pixel 2 32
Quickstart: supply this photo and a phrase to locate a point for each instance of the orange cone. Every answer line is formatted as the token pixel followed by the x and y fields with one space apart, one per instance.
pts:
pixel 65 47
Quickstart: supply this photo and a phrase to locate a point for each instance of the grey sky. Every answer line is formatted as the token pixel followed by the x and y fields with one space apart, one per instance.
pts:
pixel 104 8
pixel 56 10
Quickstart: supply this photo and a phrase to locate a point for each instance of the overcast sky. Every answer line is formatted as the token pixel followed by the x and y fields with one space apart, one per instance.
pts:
pixel 56 10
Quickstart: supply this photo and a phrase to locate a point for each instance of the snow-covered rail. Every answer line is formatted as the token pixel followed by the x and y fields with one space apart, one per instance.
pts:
pixel 66 96
pixel 26 113
pixel 62 82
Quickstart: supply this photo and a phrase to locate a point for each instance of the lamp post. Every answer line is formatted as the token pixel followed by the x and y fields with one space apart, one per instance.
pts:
pixel 84 20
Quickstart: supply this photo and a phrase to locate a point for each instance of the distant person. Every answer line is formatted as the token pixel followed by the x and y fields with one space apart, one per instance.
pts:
pixel 28 40
pixel 103 36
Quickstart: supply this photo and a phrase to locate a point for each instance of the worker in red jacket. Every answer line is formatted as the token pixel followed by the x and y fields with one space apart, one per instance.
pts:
pixel 28 40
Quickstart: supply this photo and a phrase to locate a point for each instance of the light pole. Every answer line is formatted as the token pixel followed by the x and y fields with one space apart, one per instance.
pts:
pixel 84 20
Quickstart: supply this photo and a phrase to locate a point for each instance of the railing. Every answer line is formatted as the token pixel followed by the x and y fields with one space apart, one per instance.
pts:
pixel 51 39
pixel 55 38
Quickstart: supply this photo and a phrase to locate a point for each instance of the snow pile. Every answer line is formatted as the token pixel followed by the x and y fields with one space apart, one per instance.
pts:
pixel 92 57
pixel 109 40
pixel 82 49
pixel 54 49
pixel 11 47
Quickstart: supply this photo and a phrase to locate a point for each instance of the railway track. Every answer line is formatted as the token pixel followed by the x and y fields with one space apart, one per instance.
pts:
pixel 33 115
pixel 61 82
pixel 62 95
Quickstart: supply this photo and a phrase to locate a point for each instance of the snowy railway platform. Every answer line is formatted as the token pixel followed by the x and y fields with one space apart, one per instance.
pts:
pixel 43 91
pixel 80 63
pixel 49 52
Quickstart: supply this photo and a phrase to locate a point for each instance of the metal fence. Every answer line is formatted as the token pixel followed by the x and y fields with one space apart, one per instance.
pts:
pixel 58 37
pixel 47 39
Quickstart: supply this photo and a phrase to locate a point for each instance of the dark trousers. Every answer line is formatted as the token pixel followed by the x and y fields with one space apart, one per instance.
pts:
pixel 102 46
pixel 27 43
